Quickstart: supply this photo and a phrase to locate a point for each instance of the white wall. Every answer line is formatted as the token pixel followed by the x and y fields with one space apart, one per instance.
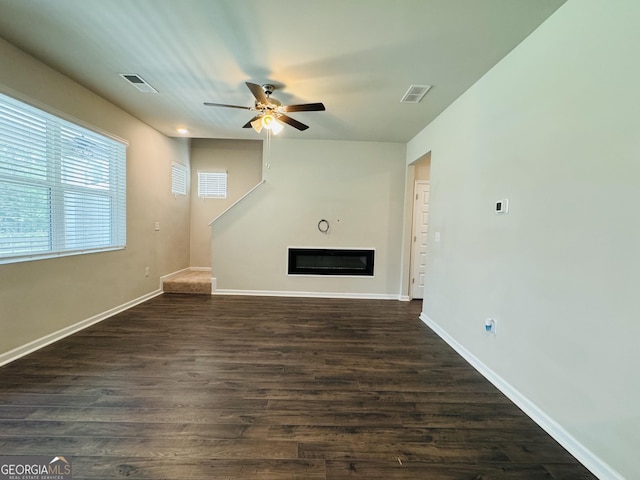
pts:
pixel 42 297
pixel 358 187
pixel 242 159
pixel 554 128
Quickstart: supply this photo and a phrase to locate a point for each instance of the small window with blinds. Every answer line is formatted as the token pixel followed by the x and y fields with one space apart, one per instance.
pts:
pixel 178 179
pixel 212 184
pixel 62 186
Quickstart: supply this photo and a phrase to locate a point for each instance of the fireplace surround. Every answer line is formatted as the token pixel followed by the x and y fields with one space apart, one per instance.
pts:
pixel 331 261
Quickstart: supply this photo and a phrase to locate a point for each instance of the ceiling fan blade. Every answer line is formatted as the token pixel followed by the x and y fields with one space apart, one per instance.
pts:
pixel 258 92
pixel 294 123
pixel 248 124
pixel 209 104
pixel 304 107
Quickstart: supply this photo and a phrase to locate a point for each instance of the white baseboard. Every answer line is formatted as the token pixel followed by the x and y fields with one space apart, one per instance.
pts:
pixel 163 278
pixel 30 347
pixel 199 269
pixel 270 293
pixel 585 456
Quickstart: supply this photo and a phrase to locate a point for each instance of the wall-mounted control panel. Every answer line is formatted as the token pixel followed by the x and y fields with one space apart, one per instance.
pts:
pixel 502 206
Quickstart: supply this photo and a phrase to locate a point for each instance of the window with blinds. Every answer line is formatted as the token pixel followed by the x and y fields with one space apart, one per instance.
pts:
pixel 178 179
pixel 212 184
pixel 62 186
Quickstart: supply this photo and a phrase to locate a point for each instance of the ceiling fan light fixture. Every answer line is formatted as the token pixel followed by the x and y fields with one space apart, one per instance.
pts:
pixel 276 127
pixel 271 123
pixel 267 120
pixel 257 125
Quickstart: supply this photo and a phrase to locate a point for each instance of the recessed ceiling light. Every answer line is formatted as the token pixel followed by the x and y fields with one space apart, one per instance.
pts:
pixel 183 131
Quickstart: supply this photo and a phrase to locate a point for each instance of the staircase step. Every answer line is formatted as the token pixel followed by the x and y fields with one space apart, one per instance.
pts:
pixel 192 282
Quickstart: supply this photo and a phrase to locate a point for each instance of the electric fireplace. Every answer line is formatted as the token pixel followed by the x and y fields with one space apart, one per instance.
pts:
pixel 330 261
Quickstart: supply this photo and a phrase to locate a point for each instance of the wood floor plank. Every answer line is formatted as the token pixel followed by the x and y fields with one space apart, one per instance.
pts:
pixel 107 468
pixel 266 388
pixel 393 470
pixel 76 428
pixel 405 452
pixel 441 436
pixel 151 447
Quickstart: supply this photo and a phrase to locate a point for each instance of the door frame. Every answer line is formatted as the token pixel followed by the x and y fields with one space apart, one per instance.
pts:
pixel 413 273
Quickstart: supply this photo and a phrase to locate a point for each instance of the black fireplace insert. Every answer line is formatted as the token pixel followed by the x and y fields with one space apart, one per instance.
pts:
pixel 330 261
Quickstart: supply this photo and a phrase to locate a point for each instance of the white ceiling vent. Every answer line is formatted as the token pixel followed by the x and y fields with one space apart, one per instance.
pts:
pixel 415 93
pixel 138 82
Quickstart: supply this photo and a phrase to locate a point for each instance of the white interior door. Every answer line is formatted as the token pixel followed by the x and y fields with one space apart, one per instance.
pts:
pixel 419 238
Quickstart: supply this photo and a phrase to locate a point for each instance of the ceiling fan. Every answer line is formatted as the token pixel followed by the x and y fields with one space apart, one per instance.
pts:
pixel 270 111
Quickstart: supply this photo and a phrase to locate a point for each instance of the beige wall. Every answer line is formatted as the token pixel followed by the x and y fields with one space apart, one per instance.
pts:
pixel 553 128
pixel 42 297
pixel 242 159
pixel 357 186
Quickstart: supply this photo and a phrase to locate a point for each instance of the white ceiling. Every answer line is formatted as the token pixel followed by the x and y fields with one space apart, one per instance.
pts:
pixel 358 57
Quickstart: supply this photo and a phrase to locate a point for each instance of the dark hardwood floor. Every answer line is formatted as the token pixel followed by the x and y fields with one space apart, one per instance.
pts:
pixel 264 388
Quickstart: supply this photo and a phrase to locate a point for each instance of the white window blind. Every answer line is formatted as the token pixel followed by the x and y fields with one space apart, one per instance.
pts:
pixel 178 179
pixel 62 186
pixel 212 184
